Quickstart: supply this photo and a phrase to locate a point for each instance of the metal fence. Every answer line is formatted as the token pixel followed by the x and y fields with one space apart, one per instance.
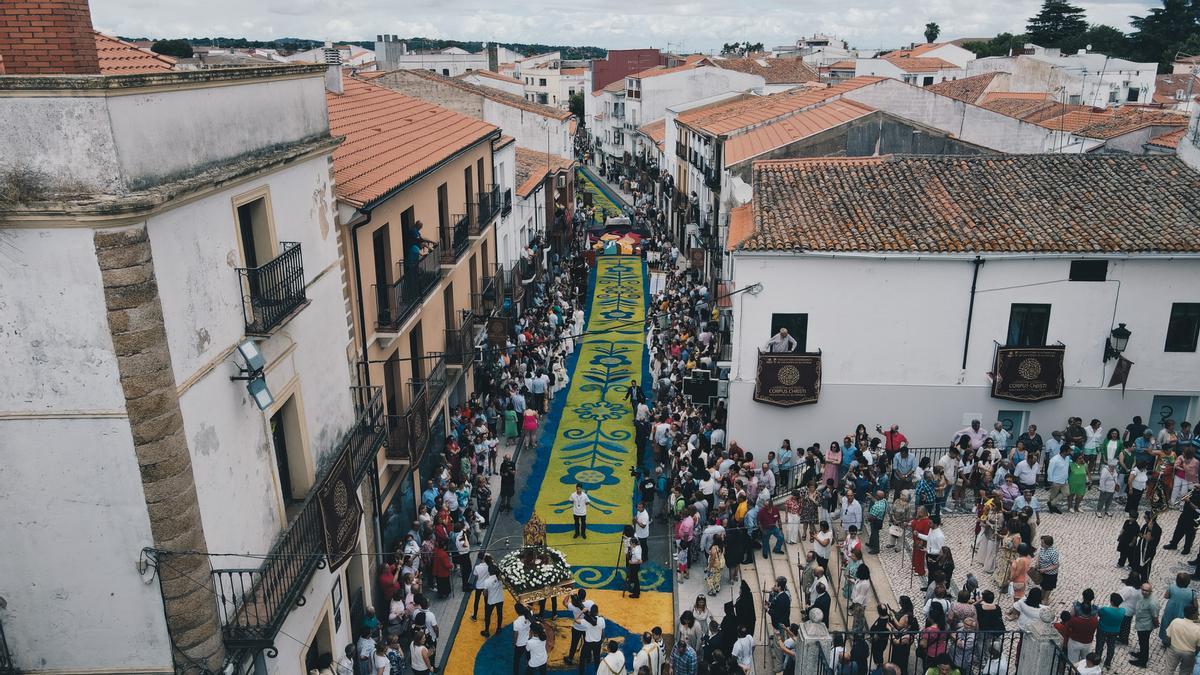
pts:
pixel 273 290
pixel 974 652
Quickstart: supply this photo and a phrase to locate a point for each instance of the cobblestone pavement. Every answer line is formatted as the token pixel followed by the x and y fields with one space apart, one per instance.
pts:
pixel 1087 550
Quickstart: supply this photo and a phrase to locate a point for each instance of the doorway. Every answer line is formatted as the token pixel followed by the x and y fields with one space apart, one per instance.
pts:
pixel 1014 421
pixel 1168 408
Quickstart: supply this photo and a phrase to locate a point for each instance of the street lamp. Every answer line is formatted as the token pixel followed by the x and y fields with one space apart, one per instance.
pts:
pixel 1116 342
pixel 252 374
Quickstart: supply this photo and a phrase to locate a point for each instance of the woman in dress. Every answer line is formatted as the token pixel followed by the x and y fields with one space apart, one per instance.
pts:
pixel 903 623
pixel 791 516
pixel 1010 539
pixel 1077 482
pixel 702 614
pixel 1178 596
pixel 715 566
pixel 1018 572
pixel 808 509
pixel 1047 565
pixel 920 525
pixel 833 462
pixel 746 616
pixel 510 424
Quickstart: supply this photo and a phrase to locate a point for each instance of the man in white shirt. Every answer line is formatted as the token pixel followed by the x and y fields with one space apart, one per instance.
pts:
pixel 633 567
pixel 934 541
pixel 593 635
pixel 821 543
pixel 852 513
pixel 579 605
pixel 974 433
pixel 1000 436
pixel 495 601
pixel 743 650
pixel 520 638
pixel 579 509
pixel 641 526
pixel 1089 665
pixel 717 437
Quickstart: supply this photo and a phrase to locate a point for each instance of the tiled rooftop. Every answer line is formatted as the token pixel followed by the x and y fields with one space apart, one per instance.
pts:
pixel 1014 203
pixel 655 131
pixel 773 71
pixel 741 225
pixel 1169 140
pixel 743 113
pixel 968 89
pixel 392 138
pixel 532 167
pixel 493 94
pixel 490 75
pixel 919 64
pixel 1113 123
pixel 1167 86
pixel 118 57
pixel 662 70
pixel 790 129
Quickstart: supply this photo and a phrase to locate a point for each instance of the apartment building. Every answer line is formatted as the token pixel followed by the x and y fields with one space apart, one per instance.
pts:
pixel 417 197
pixel 177 411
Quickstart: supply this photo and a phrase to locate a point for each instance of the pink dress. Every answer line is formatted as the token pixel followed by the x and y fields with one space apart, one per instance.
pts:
pixel 833 460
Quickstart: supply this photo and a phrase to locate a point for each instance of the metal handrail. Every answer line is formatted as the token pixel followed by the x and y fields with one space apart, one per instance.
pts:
pixel 255 602
pixel 397 301
pixel 273 290
pixel 456 237
pixel 487 205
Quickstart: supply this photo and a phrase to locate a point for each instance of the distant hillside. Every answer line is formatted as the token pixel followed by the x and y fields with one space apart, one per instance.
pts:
pixel 416 43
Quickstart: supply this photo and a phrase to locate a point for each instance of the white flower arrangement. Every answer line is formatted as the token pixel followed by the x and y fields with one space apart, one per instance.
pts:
pixel 534 567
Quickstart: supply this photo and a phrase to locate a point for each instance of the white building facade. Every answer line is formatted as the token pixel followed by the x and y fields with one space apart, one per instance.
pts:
pixel 143 285
pixel 907 332
pixel 1084 78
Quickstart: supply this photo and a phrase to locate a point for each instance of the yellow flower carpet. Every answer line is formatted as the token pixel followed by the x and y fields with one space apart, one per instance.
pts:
pixel 593 444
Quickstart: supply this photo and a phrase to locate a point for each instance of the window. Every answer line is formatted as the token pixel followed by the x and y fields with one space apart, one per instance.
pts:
pixel 1133 95
pixel 1089 270
pixel 797 326
pixel 1112 96
pixel 254 231
pixel 1075 99
pixel 927 81
pixel 443 198
pixel 468 185
pixel 289 449
pixel 446 72
pixel 1183 327
pixel 541 81
pixel 381 243
pixel 1027 325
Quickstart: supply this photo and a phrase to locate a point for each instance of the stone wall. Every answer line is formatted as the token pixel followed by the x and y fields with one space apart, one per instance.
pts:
pixel 135 320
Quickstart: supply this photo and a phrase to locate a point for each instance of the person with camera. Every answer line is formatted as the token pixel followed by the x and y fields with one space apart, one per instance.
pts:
pixel 633 567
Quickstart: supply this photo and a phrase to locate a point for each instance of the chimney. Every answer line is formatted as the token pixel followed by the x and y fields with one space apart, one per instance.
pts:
pixel 333 69
pixel 48 37
pixel 493 58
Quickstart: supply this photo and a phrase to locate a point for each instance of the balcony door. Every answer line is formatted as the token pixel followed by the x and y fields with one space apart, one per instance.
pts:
pixel 416 349
pixel 254 231
pixel 448 308
pixel 468 185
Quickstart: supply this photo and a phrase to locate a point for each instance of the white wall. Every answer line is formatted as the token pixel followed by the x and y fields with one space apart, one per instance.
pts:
pixel 965 121
pixel 663 91
pixel 515 88
pixel 1087 77
pixel 196 253
pixel 885 68
pixel 915 314
pixel 533 131
pixel 74 513
pixel 506 228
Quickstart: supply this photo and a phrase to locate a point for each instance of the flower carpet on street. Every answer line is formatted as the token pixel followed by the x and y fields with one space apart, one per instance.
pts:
pixel 603 202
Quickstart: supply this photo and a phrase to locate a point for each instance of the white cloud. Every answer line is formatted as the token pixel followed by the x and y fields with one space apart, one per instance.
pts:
pixel 698 25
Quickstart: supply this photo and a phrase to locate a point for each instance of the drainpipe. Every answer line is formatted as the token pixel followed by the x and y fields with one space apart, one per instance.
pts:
pixel 971 308
pixel 364 218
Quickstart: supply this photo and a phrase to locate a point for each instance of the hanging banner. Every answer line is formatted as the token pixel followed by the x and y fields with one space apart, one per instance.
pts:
pixel 341 512
pixel 788 379
pixel 1120 373
pixel 497 331
pixel 1028 373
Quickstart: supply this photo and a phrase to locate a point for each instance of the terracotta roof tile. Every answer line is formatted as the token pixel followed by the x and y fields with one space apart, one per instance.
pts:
pixel 917 50
pixel 843 65
pixel 573 71
pixel 789 129
pixel 919 64
pixel 490 75
pixel 1001 203
pixel 968 89
pixel 661 70
pixel 493 94
pixel 391 138
pixel 502 142
pixel 1166 86
pixel 1169 140
pixel 773 71
pixel 532 167
pixel 743 113
pixel 655 131
pixel 118 57
pixel 741 225
pixel 1110 124
pixel 615 87
pixel 1016 95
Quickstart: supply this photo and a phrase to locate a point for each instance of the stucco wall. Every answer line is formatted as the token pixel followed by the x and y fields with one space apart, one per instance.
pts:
pixel 533 131
pixel 68 139
pixel 453 98
pixel 918 309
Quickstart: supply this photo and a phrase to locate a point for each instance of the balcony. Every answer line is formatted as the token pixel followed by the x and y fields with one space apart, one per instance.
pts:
pixel 460 342
pixel 507 208
pixel 433 384
pixel 456 238
pixel 273 291
pixel 255 602
pixel 397 301
pixel 486 208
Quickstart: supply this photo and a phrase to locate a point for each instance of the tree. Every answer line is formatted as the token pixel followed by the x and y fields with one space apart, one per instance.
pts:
pixel 1001 45
pixel 932 30
pixel 741 48
pixel 180 49
pixel 1164 30
pixel 576 106
pixel 1057 23
pixel 1105 40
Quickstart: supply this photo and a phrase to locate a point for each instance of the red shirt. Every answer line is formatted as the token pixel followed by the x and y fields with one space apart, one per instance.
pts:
pixel 441 563
pixel 768 517
pixel 1082 629
pixel 892 440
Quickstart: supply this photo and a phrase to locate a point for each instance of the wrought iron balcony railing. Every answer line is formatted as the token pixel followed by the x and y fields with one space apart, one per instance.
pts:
pixel 397 301
pixel 486 208
pixel 507 208
pixel 255 602
pixel 434 384
pixel 456 237
pixel 274 290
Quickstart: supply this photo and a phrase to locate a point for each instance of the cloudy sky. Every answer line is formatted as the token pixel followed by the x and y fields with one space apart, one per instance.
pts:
pixel 682 25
